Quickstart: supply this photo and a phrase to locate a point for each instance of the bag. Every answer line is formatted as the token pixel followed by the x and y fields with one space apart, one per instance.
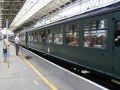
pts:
pixel 5 50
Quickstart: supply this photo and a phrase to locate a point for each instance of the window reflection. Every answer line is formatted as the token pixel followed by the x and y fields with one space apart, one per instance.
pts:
pixel 102 24
pixel 48 36
pixel 97 35
pixel 72 39
pixel 43 36
pixel 94 25
pixel 72 35
pixel 35 36
pixel 58 36
pixel 31 39
pixel 39 36
pixel 95 39
pixel 29 34
pixel 76 27
pixel 87 26
pixel 22 37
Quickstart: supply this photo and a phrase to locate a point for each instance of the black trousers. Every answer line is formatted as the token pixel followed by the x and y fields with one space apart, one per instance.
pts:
pixel 17 48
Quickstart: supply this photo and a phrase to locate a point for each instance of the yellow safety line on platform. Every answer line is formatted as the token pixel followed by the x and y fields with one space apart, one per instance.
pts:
pixel 36 83
pixel 40 75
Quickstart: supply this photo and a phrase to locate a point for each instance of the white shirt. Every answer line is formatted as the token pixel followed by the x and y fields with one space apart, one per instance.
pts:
pixel 56 41
pixel 5 43
pixel 17 40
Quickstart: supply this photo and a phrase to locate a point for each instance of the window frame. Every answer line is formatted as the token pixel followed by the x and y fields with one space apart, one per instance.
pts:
pixel 58 32
pixel 97 29
pixel 48 31
pixel 73 31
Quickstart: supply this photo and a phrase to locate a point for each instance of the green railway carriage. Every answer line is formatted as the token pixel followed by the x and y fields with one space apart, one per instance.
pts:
pixel 86 39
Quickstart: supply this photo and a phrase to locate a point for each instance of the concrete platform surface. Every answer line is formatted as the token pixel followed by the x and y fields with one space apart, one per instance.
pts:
pixel 38 74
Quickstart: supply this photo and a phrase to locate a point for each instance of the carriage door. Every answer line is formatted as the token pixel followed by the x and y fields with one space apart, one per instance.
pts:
pixel 116 48
pixel 97 42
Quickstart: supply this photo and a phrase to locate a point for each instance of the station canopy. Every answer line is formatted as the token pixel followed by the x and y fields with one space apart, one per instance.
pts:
pixel 28 12
pixel 32 10
pixel 8 10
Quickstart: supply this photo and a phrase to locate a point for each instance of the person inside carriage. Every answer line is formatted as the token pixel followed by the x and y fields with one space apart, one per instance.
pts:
pixel 117 35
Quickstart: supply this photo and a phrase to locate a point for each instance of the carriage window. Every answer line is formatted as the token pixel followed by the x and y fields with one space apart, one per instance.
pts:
pixel 87 26
pixel 49 36
pixel 29 34
pixel 58 35
pixel 22 37
pixel 76 27
pixel 72 36
pixel 94 25
pixel 31 39
pixel 95 38
pixel 68 28
pixel 43 35
pixel 102 24
pixel 35 36
pixel 39 36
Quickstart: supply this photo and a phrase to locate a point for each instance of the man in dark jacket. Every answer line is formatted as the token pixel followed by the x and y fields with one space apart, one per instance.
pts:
pixel 117 35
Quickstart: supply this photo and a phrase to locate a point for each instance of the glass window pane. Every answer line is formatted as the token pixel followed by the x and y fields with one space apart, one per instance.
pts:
pixel 29 37
pixel 58 37
pixel 56 30
pixel 61 29
pixel 22 37
pixel 43 36
pixel 95 39
pixel 39 37
pixel 102 24
pixel 35 36
pixel 76 27
pixel 94 25
pixel 72 39
pixel 68 28
pixel 32 37
pixel 87 26
pixel 49 36
pixel 102 38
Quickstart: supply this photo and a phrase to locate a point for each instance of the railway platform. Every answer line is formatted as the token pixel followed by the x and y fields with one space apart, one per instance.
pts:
pixel 36 73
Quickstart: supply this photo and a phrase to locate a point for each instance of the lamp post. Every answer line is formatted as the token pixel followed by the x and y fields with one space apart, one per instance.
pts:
pixel 7 27
pixel 7 39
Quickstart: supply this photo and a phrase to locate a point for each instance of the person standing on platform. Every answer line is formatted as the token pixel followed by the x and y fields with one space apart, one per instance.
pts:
pixel 6 45
pixel 17 43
